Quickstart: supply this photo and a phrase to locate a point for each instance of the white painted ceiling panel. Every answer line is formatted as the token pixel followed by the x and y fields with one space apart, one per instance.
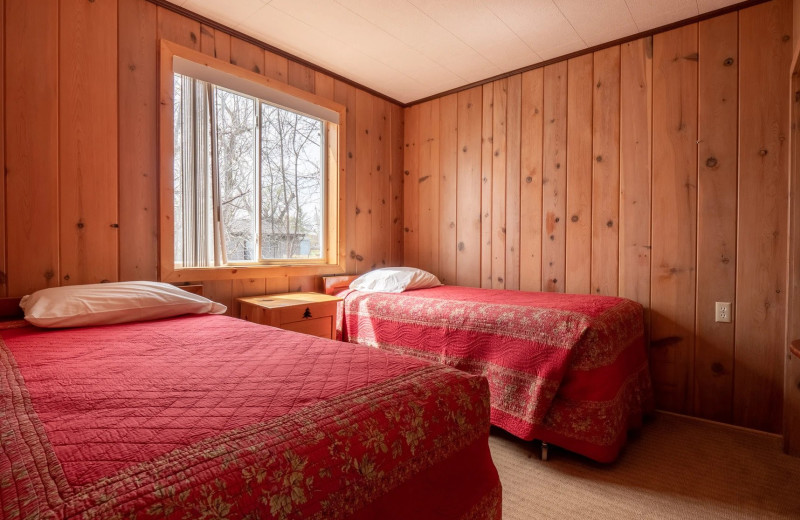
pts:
pixel 648 14
pixel 411 49
pixel 599 21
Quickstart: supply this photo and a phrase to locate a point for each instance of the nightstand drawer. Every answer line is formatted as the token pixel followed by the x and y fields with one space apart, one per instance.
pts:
pixel 320 327
pixel 306 312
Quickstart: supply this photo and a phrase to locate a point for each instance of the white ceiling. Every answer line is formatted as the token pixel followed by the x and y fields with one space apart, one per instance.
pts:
pixel 411 49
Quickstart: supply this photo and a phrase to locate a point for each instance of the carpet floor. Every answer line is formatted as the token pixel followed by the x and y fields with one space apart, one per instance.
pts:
pixel 675 467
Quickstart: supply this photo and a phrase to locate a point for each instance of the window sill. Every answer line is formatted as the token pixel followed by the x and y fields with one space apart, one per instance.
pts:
pixel 195 274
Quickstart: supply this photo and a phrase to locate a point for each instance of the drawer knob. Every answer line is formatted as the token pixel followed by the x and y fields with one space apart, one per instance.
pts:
pixel 307 314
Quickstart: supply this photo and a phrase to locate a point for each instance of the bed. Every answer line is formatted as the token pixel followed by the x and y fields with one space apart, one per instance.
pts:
pixel 206 416
pixel 568 370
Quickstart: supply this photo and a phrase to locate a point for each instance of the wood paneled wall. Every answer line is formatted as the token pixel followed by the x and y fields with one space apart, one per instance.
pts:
pixel 81 156
pixel 654 170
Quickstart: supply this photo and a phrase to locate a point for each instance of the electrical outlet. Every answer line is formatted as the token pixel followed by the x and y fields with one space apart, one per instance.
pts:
pixel 724 313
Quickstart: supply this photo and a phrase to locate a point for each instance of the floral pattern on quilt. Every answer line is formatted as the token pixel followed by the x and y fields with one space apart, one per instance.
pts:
pixel 326 461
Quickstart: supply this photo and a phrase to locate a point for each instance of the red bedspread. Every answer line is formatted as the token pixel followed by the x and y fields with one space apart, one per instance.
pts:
pixel 212 417
pixel 562 368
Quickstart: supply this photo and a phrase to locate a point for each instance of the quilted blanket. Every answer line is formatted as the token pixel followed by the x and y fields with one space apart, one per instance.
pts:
pixel 562 368
pixel 212 417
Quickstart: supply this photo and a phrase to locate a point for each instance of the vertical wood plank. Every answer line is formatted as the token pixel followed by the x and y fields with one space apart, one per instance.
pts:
pixel 448 187
pixel 214 43
pixel 513 170
pixel 88 142
pixel 499 150
pixel 531 141
pixel 220 291
pixel 138 149
pixel 277 67
pixel 554 178
pixel 346 95
pixel 717 118
pixel 635 134
pixel 301 76
pixel 31 131
pixel 277 284
pixel 3 278
pixel 380 183
pixel 764 52
pixel 411 188
pixel 429 186
pixel 674 230
pixel 247 56
pixel 303 283
pixel 468 199
pixel 579 175
pixel 324 85
pixel 605 173
pixel 363 171
pixel 179 29
pixel 396 185
pixel 487 155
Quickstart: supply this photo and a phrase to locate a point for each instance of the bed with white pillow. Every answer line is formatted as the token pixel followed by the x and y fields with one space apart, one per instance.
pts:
pixel 570 370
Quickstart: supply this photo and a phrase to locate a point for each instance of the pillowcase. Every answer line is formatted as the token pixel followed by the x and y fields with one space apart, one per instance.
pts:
pixel 109 303
pixel 395 280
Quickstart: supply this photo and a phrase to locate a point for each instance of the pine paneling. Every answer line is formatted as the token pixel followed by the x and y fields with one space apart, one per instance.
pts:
pixel 764 52
pixel 247 56
pixel 381 161
pixel 31 131
pixel 580 89
pixel 531 137
pixel 554 178
pixel 499 151
pixel 716 214
pixel 88 142
pixel 605 172
pixel 448 187
pixel 468 199
pixel 513 171
pixel 396 186
pixel 428 187
pixel 615 164
pixel 363 206
pixel 411 188
pixel 674 229
pixel 138 153
pixel 636 143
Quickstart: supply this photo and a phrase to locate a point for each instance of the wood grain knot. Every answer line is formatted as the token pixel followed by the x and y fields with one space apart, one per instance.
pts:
pixel 762 152
pixel 359 258
pixel 425 178
pixel 575 218
pixel 452 225
pixel 558 219
pixel 353 253
pixel 529 179
pixel 711 162
pixel 599 158
pixel 500 279
pixel 717 368
pixel 558 165
pixel 728 62
pixel 406 172
pixel 464 149
pixel 350 156
pixel 552 237
pixel 610 223
pixel 785 38
pixel 358 210
pixel 114 225
pixel 555 280
pixel 461 246
pixel 66 277
pixel 406 230
pixel 193 36
pixel 81 225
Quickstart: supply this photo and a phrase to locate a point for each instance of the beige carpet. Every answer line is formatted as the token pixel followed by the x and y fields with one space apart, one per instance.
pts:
pixel 675 468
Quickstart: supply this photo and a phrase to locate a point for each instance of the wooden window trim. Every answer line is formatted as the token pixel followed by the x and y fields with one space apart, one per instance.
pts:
pixel 334 261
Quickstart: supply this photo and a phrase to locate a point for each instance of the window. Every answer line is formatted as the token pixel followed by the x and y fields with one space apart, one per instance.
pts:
pixel 255 178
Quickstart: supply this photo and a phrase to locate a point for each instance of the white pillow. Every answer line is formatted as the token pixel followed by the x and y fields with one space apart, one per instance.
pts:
pixel 109 303
pixel 395 280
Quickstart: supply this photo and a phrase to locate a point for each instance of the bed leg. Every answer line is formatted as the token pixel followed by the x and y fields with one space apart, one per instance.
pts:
pixel 544 450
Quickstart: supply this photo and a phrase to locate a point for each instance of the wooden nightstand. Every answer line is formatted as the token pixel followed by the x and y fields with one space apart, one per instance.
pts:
pixel 306 312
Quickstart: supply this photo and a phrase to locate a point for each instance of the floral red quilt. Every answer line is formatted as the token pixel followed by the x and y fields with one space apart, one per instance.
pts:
pixel 212 417
pixel 567 369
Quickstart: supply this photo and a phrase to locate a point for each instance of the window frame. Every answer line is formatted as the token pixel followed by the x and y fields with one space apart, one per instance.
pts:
pixel 333 261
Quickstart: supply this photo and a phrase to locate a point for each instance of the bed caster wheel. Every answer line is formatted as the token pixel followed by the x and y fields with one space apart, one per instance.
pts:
pixel 545 446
